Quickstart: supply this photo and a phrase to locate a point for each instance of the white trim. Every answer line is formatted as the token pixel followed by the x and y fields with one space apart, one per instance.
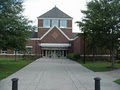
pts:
pixel 29 46
pixel 17 52
pixel 4 52
pixel 52 29
pixel 74 38
pixel 57 18
pixel 107 55
pixel 34 38
pixel 14 54
pixel 54 45
pixel 60 28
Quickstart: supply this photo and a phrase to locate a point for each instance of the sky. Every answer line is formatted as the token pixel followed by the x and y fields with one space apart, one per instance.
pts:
pixel 35 8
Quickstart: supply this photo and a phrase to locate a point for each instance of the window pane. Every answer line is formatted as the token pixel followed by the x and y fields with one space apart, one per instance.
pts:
pixel 55 22
pixel 46 23
pixel 63 23
pixel 17 52
pixel 29 50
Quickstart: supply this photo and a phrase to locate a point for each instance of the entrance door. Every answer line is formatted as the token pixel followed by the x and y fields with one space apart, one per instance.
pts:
pixel 55 53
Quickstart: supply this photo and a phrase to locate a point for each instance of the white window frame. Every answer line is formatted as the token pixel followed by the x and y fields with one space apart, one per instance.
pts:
pixel 17 52
pixel 63 23
pixel 4 52
pixel 55 22
pixel 46 23
pixel 29 50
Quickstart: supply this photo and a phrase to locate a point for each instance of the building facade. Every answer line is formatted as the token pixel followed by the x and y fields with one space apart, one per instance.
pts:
pixel 54 37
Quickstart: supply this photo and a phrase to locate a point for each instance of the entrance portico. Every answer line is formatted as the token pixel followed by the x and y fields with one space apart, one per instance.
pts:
pixel 54 50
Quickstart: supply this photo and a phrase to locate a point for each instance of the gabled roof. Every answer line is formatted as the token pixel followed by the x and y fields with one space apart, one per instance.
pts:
pixel 54 13
pixel 52 29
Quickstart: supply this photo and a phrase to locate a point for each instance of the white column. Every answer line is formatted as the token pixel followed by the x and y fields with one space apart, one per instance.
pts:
pixel 41 53
pixel 63 53
pixel 66 53
pixel 45 53
pixel 51 53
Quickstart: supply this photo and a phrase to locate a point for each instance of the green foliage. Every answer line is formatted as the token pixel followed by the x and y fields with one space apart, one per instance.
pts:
pixel 100 66
pixel 101 23
pixel 74 56
pixel 9 66
pixel 29 57
pixel 14 27
pixel 117 81
pixel 71 56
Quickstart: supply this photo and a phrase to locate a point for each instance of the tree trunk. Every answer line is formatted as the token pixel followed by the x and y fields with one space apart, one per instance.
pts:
pixel 93 55
pixel 112 51
pixel 113 60
pixel 15 55
pixel 110 55
pixel 84 50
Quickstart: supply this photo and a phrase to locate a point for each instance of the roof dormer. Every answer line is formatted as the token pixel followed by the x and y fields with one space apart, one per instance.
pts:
pixel 55 13
pixel 55 17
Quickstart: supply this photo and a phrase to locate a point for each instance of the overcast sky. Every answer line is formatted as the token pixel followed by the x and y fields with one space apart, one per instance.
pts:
pixel 35 8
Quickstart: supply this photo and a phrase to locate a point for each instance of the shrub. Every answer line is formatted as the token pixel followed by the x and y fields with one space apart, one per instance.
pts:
pixel 28 57
pixel 74 56
pixel 71 56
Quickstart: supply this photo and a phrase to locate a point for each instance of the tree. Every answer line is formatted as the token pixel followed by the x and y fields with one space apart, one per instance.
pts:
pixel 14 27
pixel 101 22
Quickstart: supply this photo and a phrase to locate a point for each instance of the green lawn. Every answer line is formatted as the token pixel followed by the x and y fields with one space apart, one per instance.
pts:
pixel 100 66
pixel 117 81
pixel 9 66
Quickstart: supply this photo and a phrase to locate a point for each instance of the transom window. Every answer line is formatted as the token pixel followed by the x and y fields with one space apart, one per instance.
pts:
pixel 55 22
pixel 63 23
pixel 46 23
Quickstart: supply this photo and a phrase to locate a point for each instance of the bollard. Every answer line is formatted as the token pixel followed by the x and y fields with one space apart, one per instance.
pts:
pixel 15 83
pixel 97 83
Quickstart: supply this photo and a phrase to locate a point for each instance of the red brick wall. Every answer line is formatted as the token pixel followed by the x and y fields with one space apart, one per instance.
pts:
pixel 40 23
pixel 77 45
pixel 68 32
pixel 34 44
pixel 69 23
pixel 54 36
pixel 41 32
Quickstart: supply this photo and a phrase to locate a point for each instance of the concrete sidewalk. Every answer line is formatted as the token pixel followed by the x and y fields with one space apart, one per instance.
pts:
pixel 57 74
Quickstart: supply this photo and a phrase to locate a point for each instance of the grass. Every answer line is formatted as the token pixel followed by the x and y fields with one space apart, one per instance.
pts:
pixel 100 66
pixel 10 66
pixel 117 81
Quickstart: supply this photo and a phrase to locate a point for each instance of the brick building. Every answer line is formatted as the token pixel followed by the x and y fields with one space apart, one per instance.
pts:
pixel 54 37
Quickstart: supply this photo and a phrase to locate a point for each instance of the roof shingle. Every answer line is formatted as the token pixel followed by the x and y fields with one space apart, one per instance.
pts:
pixel 54 13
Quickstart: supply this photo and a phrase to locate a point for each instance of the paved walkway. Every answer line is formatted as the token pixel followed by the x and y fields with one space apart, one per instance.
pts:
pixel 57 74
pixel 114 73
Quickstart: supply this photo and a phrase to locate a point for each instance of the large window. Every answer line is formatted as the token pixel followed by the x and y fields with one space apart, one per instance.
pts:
pixel 4 51
pixel 63 23
pixel 29 50
pixel 55 22
pixel 17 52
pixel 46 23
